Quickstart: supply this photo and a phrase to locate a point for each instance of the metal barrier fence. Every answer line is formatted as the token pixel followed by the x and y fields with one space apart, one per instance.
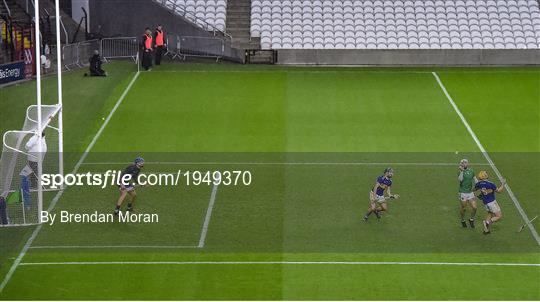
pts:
pixel 70 56
pixel 122 47
pixel 76 55
pixel 192 46
pixel 87 48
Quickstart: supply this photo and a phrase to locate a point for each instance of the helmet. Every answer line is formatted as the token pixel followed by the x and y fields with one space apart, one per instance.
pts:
pixel 139 160
pixel 483 175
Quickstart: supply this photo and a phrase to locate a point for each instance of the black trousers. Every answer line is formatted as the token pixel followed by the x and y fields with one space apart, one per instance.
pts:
pixel 147 59
pixel 97 72
pixel 32 178
pixel 3 211
pixel 160 51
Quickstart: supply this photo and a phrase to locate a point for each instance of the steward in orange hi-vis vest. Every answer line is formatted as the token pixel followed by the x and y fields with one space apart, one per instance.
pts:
pixel 148 42
pixel 161 46
pixel 147 47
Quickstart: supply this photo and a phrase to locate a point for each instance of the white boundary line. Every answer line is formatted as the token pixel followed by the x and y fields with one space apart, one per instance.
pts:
pixel 114 247
pixel 276 263
pixel 59 194
pixel 285 163
pixel 307 70
pixel 359 70
pixel 489 160
pixel 208 216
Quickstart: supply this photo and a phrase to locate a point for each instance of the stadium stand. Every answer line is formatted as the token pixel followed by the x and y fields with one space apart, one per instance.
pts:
pixel 214 12
pixel 396 24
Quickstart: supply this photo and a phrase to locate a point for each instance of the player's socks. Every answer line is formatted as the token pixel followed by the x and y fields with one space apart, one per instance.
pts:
pixel 130 207
pixel 463 223
pixel 117 210
pixel 367 215
pixel 471 222
pixel 378 214
pixel 486 227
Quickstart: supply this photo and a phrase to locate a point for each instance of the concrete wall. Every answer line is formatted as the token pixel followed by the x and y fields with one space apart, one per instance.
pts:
pixel 76 11
pixel 409 57
pixel 130 17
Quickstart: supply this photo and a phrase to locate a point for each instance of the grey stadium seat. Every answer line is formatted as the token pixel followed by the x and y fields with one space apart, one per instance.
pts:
pixel 390 24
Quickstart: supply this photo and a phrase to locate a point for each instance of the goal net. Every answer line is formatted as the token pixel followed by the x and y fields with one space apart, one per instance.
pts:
pixel 21 193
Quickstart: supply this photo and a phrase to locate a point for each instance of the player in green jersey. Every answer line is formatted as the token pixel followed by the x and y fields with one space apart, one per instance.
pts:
pixel 467 181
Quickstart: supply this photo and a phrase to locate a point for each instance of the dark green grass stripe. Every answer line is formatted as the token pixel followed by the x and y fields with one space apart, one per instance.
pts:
pixel 276 263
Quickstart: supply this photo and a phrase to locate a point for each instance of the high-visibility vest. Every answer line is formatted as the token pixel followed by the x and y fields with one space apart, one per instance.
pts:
pixel 148 42
pixel 159 38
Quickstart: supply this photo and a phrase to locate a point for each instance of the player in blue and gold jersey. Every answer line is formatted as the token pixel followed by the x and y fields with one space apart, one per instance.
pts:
pixel 377 200
pixel 487 195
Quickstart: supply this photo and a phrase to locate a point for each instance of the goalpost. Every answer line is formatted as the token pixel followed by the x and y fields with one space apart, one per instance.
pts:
pixel 22 163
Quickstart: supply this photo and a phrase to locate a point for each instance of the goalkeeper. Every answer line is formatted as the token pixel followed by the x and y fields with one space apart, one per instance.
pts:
pixel 128 187
pixel 33 147
pixel 467 181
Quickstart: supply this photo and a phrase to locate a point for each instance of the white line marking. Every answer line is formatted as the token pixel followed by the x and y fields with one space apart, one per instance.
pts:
pixel 59 194
pixel 307 70
pixel 204 230
pixel 114 247
pixel 310 69
pixel 277 263
pixel 283 163
pixel 489 160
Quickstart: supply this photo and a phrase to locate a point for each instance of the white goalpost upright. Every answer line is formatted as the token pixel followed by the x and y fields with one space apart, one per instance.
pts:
pixel 38 97
pixel 26 153
pixel 60 94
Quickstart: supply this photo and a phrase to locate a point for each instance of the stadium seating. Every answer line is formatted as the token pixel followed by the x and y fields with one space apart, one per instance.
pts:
pixel 213 12
pixel 396 24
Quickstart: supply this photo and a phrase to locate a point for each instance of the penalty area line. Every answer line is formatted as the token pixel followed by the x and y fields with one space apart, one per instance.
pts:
pixel 115 247
pixel 206 223
pixel 277 263
pixel 489 160
pixel 59 194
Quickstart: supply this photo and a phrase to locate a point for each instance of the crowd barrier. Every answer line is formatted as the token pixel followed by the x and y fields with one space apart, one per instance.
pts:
pixel 120 48
pixel 207 47
pixel 76 55
pixel 192 46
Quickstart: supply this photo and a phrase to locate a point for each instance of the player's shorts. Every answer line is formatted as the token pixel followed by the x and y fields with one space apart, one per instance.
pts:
pixel 128 188
pixel 376 198
pixel 466 196
pixel 493 207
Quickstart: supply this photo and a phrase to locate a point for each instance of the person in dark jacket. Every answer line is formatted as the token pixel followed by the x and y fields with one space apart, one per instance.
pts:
pixel 95 66
pixel 147 49
pixel 160 43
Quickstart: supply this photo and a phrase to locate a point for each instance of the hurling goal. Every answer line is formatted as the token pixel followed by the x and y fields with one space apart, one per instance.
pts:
pixel 22 164
pixel 35 149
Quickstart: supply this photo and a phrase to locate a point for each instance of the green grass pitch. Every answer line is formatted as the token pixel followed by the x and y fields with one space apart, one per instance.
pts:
pixel 314 140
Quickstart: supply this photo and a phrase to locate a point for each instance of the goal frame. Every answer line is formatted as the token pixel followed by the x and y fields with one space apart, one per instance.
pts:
pixel 40 126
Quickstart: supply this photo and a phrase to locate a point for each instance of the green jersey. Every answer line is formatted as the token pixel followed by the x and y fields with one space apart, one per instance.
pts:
pixel 466 185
